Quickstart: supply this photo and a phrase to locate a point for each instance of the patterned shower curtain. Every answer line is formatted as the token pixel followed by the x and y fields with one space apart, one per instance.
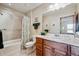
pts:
pixel 25 30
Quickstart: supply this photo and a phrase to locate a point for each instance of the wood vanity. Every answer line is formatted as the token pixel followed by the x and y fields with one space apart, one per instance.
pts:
pixel 46 47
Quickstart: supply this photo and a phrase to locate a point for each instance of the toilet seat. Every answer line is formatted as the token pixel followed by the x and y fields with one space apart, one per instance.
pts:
pixel 30 43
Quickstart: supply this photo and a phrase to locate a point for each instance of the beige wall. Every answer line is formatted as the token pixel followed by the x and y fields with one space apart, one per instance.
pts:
pixel 78 7
pixel 11 21
pixel 37 12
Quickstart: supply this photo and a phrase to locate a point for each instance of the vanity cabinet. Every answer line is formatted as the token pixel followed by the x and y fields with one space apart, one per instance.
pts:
pixel 50 48
pixel 74 51
pixel 46 47
pixel 39 46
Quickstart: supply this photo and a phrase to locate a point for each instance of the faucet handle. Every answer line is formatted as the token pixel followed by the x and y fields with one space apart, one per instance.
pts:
pixel 57 35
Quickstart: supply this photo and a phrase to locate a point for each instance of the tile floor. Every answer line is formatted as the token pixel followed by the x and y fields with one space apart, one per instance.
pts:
pixel 15 50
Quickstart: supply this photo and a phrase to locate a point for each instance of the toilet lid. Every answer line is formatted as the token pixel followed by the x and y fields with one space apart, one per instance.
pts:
pixel 29 43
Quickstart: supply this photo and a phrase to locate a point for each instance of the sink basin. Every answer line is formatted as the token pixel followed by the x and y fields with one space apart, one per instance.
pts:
pixel 53 37
pixel 60 36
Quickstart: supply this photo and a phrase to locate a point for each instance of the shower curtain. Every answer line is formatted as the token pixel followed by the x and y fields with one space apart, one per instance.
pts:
pixel 25 30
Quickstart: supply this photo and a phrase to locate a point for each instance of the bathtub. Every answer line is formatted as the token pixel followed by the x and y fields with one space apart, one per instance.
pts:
pixel 12 42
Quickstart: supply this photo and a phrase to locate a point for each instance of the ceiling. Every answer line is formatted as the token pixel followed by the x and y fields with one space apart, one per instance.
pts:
pixel 22 7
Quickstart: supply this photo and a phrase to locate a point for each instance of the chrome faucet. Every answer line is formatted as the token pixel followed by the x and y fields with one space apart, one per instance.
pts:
pixel 57 35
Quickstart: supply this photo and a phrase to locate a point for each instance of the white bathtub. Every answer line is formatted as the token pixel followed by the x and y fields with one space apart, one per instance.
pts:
pixel 12 42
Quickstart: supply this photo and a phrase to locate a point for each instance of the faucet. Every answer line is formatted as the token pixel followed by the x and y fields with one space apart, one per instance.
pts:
pixel 56 35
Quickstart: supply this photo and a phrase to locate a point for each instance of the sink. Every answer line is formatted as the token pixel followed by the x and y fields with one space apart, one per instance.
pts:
pixel 60 36
pixel 53 37
pixel 76 38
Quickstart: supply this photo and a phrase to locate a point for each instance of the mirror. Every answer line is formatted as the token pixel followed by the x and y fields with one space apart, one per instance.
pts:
pixel 67 25
pixel 63 20
pixel 77 25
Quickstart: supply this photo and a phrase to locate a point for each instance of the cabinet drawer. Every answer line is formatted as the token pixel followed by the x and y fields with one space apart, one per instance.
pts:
pixel 48 51
pixel 74 50
pixel 39 40
pixel 47 42
pixel 48 47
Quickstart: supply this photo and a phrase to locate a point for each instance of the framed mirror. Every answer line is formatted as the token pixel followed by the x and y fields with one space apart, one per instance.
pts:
pixel 67 25
pixel 77 25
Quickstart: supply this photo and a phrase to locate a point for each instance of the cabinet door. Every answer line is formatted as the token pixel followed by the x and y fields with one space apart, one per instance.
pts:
pixel 48 51
pixel 39 40
pixel 39 52
pixel 60 46
pixel 59 53
pixel 57 45
pixel 39 46
pixel 74 51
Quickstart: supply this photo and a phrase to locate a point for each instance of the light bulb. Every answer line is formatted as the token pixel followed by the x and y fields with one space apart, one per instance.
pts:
pixel 9 4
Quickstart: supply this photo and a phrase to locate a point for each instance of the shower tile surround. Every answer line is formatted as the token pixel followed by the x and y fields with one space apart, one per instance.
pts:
pixel 10 24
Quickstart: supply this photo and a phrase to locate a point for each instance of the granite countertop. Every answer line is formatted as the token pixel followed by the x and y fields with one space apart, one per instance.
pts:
pixel 70 41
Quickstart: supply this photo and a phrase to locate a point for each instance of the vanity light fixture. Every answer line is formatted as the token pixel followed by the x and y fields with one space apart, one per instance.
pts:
pixel 57 6
pixel 9 4
pixel 51 7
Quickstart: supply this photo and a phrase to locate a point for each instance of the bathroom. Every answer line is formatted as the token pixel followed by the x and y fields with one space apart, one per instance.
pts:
pixel 23 28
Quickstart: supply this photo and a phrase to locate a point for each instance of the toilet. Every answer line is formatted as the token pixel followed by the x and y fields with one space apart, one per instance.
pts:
pixel 30 43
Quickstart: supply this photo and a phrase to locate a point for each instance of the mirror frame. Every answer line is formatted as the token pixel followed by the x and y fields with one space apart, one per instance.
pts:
pixel 74 27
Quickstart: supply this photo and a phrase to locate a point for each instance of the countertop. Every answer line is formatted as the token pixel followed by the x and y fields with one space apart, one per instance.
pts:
pixel 70 41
